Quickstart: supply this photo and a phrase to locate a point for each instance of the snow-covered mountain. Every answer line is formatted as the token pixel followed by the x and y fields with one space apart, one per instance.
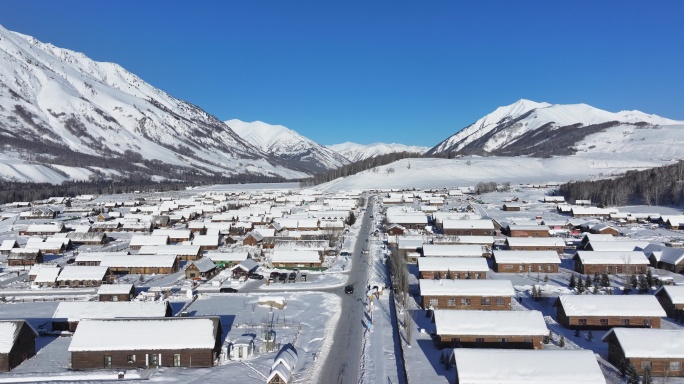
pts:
pixel 92 119
pixel 542 129
pixel 288 145
pixel 356 152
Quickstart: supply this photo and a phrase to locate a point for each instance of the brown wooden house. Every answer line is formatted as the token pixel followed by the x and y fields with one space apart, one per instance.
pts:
pixel 69 314
pixel 611 262
pixel 489 329
pixel 18 343
pixel 452 267
pixel 526 230
pixel 146 343
pixel 608 311
pixel 468 227
pixel 203 269
pixel 466 294
pixel 116 292
pixel 526 261
pixel 671 298
pixel 536 244
pixel 21 257
pixel 662 351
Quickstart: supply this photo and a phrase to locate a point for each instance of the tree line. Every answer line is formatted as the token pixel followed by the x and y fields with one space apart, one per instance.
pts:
pixel 657 186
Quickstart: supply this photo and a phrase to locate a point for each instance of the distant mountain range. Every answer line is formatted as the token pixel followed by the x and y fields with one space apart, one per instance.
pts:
pixel 357 152
pixel 64 116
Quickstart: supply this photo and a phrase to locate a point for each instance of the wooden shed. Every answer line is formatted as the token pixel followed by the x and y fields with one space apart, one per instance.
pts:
pixel 17 343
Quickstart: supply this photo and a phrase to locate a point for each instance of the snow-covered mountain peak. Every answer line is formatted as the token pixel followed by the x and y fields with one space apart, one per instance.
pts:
pixel 357 152
pixel 286 144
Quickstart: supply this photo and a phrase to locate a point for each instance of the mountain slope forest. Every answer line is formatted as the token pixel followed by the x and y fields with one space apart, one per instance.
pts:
pixel 655 186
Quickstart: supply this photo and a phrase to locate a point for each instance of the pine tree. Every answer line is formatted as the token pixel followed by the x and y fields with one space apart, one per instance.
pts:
pixel 643 285
pixel 622 367
pixel 589 282
pixel 572 282
pixel 547 339
pixel 441 358
pixel 649 277
pixel 351 219
pixel 605 280
pixel 561 342
pixel 577 332
pixel 580 286
pixel 590 336
pixel 632 375
pixel 633 281
pixel 449 275
pixel 546 278
pixel 648 377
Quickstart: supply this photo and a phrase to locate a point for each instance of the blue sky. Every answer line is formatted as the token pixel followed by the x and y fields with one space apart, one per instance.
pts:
pixel 412 72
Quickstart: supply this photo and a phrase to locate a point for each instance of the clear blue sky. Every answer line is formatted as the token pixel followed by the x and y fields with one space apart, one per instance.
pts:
pixel 412 72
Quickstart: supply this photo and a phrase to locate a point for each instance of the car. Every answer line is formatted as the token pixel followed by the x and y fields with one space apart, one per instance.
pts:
pixel 228 290
pixel 292 277
pixel 256 276
pixel 282 277
pixel 71 260
pixel 349 289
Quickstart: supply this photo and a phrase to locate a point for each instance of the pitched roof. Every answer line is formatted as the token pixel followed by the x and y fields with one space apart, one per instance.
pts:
pixel 609 305
pixel 446 287
pixel 504 323
pixel 649 342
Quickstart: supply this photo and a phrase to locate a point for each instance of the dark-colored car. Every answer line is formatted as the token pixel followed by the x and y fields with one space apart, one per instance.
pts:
pixel 282 277
pixel 228 290
pixel 349 289
pixel 292 277
pixel 71 260
pixel 256 276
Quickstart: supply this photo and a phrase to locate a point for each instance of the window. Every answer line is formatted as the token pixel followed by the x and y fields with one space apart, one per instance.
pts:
pixel 504 340
pixel 647 323
pixel 107 361
pixel 549 268
pixel 485 302
pixel 433 302
pixel 645 364
pixel 479 339
pixel 177 359
pixel 521 268
pixel 477 276
pixel 527 340
pixel 603 322
pixel 675 365
pixel 625 321
pixel 500 301
pixel 618 269
pixel 465 302
pixel 130 358
pixel 540 268
pixel 115 298
pixel 582 321
pixel 508 267
pixel 451 302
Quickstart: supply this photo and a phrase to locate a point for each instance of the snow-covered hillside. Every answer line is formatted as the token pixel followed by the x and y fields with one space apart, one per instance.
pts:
pixel 461 172
pixel 541 129
pixel 356 152
pixel 291 147
pixel 60 107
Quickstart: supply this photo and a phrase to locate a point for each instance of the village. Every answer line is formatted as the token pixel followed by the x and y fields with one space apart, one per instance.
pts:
pixel 253 284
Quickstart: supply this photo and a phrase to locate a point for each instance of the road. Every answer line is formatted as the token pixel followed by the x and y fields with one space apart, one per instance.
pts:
pixel 344 358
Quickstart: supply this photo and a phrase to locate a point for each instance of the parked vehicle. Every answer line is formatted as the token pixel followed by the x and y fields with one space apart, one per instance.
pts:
pixel 293 277
pixel 228 290
pixel 282 277
pixel 256 276
pixel 349 289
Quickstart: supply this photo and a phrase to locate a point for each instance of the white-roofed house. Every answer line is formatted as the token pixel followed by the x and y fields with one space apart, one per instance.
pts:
pixel 479 227
pixel 455 250
pixel 69 313
pixel 489 329
pixel 487 366
pixel 526 261
pixel 141 264
pixel 669 259
pixel 466 294
pixel 203 268
pixel 116 292
pixel 612 262
pixel 182 252
pixel 206 242
pixel 452 267
pixel 17 343
pixel 223 259
pixel 81 276
pixel 519 230
pixel 283 366
pixel 671 298
pixel 618 245
pixel 293 259
pixel 22 257
pixel 253 239
pixel 7 246
pixel 175 235
pixel 138 241
pixel 244 268
pixel 536 244
pixel 146 343
pixel 607 311
pixel 661 350
pixel 47 276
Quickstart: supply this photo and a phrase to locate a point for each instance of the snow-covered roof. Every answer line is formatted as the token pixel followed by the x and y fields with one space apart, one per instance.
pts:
pixel 279 370
pixel 47 274
pixel 9 330
pixel 453 250
pixel 139 261
pixel 504 323
pixel 97 256
pixel 206 240
pixel 467 224
pixel 527 227
pixel 675 293
pixel 295 257
pixel 671 255
pixel 145 334
pixel 443 264
pixel 173 233
pixel 77 310
pixel 287 357
pixel 618 245
pixel 140 240
pixel 535 241
pixel 649 342
pixel 474 240
pixel 610 305
pixel 515 366
pixel 447 287
pixel 204 264
pixel 169 250
pixel 8 245
pixel 247 265
pixel 612 257
pixel 114 289
pixel 595 237
pixel 76 272
pixel 227 256
pixel 526 257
